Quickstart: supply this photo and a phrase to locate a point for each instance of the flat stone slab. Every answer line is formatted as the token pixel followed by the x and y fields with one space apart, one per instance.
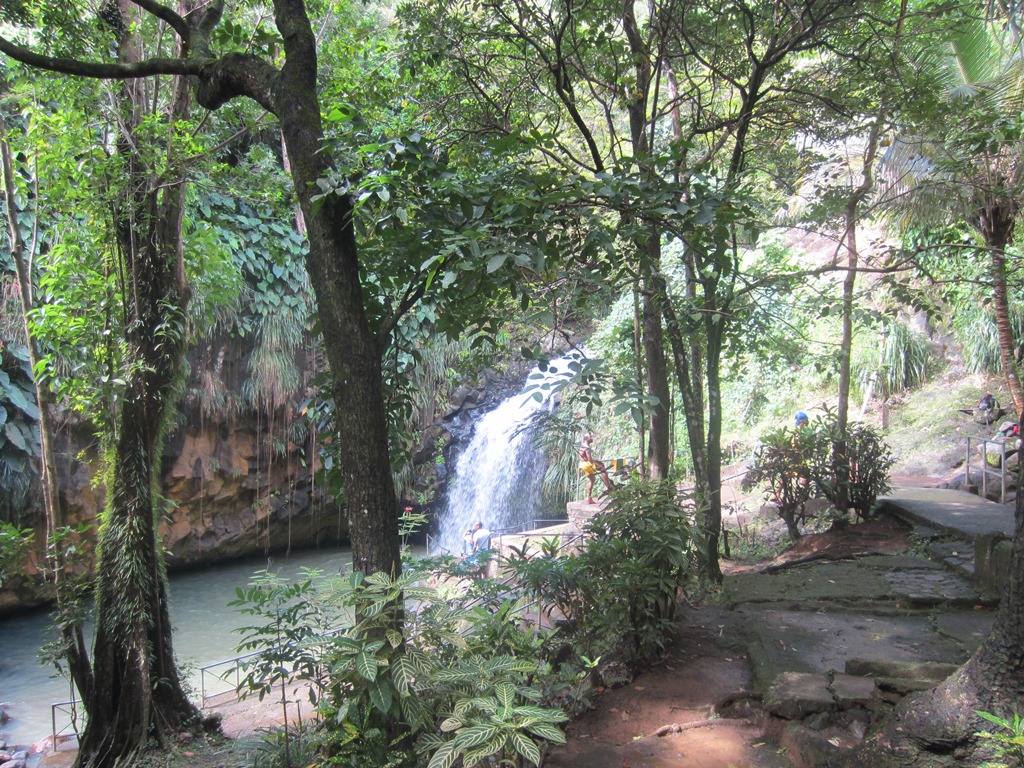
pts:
pixel 956 512
pixel 966 627
pixel 822 582
pixel 852 690
pixel 931 587
pixel 924 671
pixel 795 695
pixel 820 642
pixel 897 579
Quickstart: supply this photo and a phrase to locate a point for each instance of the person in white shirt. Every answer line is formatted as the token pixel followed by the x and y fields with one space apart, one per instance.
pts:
pixel 481 538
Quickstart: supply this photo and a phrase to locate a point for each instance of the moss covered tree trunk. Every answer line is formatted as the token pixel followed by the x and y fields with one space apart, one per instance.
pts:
pixel 135 693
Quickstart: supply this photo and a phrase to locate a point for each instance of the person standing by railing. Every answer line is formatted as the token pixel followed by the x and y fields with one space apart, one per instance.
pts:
pixel 591 467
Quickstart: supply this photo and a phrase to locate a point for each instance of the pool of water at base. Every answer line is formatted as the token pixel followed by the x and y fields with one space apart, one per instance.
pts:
pixel 204 633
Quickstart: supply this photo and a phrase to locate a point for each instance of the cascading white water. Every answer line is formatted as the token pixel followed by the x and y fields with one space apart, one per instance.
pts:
pixel 497 478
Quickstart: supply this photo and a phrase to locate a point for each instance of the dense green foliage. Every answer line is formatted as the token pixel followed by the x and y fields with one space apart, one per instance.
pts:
pixel 461 670
pixel 511 172
pixel 13 542
pixel 821 460
pixel 19 430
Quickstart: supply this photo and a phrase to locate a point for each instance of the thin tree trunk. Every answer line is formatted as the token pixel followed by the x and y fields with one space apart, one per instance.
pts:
pixel 638 359
pixel 75 649
pixel 44 398
pixel 852 217
pixel 713 448
pixel 658 445
pixel 353 349
pixel 1004 327
pixel 648 247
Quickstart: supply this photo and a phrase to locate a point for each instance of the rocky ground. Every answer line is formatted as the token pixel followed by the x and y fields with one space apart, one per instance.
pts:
pixel 772 671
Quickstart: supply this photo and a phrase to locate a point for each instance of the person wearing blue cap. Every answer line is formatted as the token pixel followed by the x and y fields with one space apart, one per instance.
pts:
pixel 801 419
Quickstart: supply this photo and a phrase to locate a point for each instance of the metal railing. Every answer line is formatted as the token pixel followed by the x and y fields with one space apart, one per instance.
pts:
pixel 986 468
pixel 207 670
pixel 434 549
pixel 75 716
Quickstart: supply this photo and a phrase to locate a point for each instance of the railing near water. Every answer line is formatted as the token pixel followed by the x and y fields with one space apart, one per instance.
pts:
pixel 206 670
pixel 986 468
pixel 75 717
pixel 567 539
pixel 497 532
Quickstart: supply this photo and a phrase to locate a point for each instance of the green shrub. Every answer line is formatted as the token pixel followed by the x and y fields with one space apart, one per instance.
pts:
pixel 850 469
pixel 455 674
pixel 13 542
pixel 638 557
pixel 783 465
pixel 859 465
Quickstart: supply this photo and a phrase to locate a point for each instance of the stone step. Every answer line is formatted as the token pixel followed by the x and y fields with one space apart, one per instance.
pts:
pixel 983 562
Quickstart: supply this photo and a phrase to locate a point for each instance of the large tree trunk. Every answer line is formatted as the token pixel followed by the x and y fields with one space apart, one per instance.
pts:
pixel 136 693
pixel 353 349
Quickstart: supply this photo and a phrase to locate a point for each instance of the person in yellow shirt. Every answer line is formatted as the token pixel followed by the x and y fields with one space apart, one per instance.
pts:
pixel 591 467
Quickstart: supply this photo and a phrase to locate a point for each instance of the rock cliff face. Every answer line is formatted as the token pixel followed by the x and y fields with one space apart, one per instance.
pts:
pixel 232 497
pixel 240 481
pixel 236 481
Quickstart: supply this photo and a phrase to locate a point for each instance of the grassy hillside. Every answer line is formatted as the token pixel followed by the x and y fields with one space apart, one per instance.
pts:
pixel 924 427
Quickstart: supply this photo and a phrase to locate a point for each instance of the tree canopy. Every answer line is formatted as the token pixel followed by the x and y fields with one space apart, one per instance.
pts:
pixel 381 177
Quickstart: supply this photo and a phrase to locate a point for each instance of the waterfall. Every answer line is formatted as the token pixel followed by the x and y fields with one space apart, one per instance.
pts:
pixel 497 478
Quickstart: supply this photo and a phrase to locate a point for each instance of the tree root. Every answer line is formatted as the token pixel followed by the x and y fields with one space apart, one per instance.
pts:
pixel 740 695
pixel 665 730
pixel 810 558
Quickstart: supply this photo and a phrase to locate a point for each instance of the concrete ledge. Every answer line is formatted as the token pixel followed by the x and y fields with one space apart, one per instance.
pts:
pixel 992 561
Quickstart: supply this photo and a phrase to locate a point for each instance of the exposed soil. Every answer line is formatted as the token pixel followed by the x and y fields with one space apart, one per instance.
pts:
pixel 695 709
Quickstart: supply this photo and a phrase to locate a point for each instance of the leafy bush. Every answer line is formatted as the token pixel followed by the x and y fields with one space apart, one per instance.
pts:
pixel 385 683
pixel 638 557
pixel 619 594
pixel 978 338
pixel 901 362
pixel 452 674
pixel 783 465
pixel 858 471
pixel 13 541
pixel 850 469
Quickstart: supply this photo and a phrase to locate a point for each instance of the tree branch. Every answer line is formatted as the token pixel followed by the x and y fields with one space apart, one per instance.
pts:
pixel 165 14
pixel 147 68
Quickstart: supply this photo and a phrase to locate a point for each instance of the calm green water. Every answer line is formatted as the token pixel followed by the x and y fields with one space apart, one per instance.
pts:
pixel 204 633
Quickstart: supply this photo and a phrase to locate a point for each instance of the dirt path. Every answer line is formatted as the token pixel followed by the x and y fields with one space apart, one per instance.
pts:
pixel 669 717
pixel 835 597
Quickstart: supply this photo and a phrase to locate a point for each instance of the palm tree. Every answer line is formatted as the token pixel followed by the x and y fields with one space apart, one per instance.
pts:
pixel 969 162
